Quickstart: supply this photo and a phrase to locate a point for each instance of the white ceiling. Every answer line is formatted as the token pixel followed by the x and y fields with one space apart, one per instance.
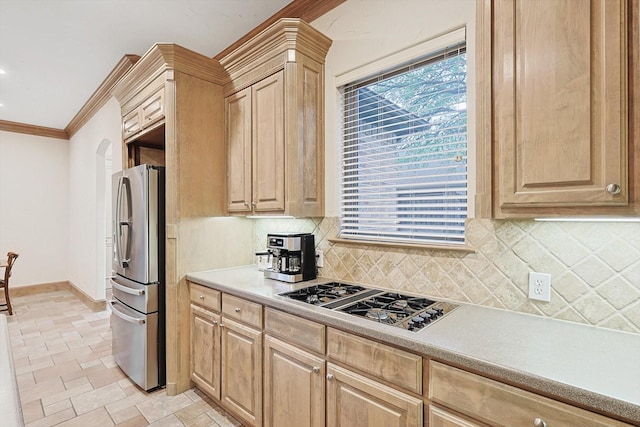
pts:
pixel 57 52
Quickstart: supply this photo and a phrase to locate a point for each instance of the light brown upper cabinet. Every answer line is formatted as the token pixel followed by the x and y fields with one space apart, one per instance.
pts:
pixel 146 116
pixel 255 130
pixel 274 127
pixel 560 74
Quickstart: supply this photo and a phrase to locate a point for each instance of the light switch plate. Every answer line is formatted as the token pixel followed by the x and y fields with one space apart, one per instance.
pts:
pixel 540 286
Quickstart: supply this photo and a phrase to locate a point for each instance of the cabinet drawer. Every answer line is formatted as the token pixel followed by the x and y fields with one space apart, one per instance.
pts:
pixel 206 297
pixel 301 332
pixel 498 404
pixel 396 366
pixel 439 417
pixel 244 311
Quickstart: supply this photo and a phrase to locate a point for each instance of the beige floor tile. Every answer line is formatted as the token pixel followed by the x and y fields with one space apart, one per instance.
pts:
pixel 105 377
pixel 57 407
pixel 52 398
pixel 32 411
pixel 203 420
pixel 96 418
pixel 97 398
pixel 76 383
pixel 34 367
pixel 124 414
pixel 221 419
pixel 168 421
pixel 66 348
pixel 77 354
pixel 163 405
pixel 138 421
pixel 58 370
pixel 54 419
pixel 193 411
pixel 38 391
pixel 25 380
pixel 21 361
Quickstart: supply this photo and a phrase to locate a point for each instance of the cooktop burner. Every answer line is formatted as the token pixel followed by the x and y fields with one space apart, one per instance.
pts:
pixel 412 313
pixel 408 312
pixel 328 293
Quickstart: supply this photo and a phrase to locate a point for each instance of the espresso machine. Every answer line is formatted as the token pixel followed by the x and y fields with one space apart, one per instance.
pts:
pixel 292 257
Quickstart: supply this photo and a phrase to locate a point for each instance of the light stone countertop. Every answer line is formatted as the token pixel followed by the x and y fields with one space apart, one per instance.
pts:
pixel 588 366
pixel 10 409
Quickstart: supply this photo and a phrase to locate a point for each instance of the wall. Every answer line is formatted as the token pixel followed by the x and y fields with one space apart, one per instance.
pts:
pixel 87 205
pixel 595 267
pixel 34 203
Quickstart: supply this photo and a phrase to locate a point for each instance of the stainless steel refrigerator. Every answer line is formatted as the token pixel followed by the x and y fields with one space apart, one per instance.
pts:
pixel 138 280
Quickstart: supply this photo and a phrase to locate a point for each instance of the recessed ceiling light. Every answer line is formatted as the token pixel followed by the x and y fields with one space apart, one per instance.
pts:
pixel 2 71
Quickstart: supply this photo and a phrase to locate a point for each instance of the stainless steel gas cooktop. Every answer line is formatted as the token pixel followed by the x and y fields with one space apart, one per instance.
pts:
pixel 404 311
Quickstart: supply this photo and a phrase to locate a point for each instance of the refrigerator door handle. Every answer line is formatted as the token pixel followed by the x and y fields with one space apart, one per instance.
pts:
pixel 123 184
pixel 126 318
pixel 126 289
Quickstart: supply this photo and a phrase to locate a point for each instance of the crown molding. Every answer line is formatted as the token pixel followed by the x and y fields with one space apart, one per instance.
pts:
pixel 287 35
pixel 101 95
pixel 307 10
pixel 16 127
pixel 167 57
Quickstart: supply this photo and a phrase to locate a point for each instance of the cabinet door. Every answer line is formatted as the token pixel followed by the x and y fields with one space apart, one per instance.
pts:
pixel 560 127
pixel 268 144
pixel 152 110
pixel 238 143
pixel 131 124
pixel 205 350
pixel 293 386
pixel 242 371
pixel 357 401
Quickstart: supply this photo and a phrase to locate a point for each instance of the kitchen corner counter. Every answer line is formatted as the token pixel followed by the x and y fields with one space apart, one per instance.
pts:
pixel 595 368
pixel 9 397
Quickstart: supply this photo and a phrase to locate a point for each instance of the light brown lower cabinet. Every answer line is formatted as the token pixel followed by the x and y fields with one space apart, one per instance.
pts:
pixel 294 389
pixel 241 379
pixel 439 417
pixel 303 388
pixel 205 350
pixel 502 405
pixel 357 401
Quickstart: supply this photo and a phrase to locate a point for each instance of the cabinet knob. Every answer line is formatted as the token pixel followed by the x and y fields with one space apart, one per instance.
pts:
pixel 237 310
pixel 201 296
pixel 215 322
pixel 613 189
pixel 316 369
pixel 539 422
pixel 246 204
pixel 330 377
pixel 222 325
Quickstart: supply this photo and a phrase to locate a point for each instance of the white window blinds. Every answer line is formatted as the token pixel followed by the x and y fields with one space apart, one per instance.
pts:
pixel 404 158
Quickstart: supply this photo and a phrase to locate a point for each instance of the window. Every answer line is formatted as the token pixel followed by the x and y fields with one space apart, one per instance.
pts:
pixel 404 156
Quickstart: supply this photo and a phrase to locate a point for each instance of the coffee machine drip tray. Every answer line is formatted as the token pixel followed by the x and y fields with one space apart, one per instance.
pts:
pixel 283 277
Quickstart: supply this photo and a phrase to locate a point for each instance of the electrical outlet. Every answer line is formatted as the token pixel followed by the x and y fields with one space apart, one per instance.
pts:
pixel 540 286
pixel 319 258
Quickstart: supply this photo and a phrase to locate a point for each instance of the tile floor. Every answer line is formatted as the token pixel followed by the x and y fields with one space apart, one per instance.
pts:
pixel 67 376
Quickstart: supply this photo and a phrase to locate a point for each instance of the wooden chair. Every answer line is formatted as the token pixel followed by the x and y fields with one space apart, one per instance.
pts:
pixel 4 283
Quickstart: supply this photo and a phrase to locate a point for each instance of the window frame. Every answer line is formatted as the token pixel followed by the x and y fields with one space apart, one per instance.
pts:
pixel 413 55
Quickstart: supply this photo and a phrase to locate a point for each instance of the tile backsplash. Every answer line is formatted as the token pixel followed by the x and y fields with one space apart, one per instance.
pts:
pixel 594 266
